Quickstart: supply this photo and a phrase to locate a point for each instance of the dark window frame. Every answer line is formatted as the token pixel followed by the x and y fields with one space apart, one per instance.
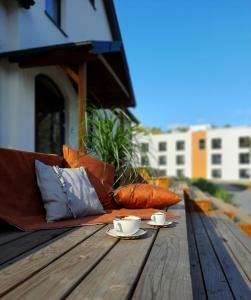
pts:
pixel 179 147
pixel 180 162
pixel 202 144
pixel 182 171
pixel 58 20
pixel 244 170
pixel 160 146
pixel 244 161
pixel 144 147
pixel 214 143
pixel 244 142
pixel 145 160
pixel 162 163
pixel 213 174
pixel 216 162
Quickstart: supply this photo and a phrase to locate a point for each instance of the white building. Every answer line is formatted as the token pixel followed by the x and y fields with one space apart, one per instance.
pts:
pixel 202 151
pixel 57 57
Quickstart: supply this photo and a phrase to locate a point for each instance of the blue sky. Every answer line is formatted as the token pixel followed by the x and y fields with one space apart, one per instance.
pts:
pixel 190 60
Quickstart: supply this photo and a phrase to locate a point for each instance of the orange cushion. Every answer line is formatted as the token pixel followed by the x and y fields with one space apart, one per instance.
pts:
pixel 100 174
pixel 20 197
pixel 144 196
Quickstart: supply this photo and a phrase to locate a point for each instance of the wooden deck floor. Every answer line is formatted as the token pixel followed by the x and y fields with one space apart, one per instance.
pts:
pixel 200 257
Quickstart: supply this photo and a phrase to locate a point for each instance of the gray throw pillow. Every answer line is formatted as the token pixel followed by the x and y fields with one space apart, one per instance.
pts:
pixel 66 193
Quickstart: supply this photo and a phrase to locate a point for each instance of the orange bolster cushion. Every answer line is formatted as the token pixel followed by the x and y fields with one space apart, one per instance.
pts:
pixel 144 196
pixel 100 174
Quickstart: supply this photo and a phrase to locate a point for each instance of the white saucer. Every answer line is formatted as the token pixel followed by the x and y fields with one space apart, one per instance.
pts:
pixel 166 224
pixel 112 232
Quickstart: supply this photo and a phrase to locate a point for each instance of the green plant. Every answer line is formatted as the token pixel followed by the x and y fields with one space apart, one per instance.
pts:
pixel 110 138
pixel 213 189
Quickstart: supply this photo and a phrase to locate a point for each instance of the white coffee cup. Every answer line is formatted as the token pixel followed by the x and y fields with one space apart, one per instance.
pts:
pixel 127 225
pixel 159 218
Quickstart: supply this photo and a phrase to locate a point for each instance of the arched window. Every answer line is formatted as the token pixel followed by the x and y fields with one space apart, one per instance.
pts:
pixel 50 106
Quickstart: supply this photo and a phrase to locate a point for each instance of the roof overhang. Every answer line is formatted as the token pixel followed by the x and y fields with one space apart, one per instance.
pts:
pixel 108 78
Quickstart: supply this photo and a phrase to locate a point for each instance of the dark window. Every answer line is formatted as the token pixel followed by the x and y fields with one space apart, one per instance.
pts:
pixel 202 144
pixel 49 116
pixel 144 147
pixel 162 146
pixel 244 158
pixel 53 9
pixel 216 173
pixel 244 173
pixel 144 160
pixel 180 145
pixel 162 160
pixel 245 142
pixel 216 143
pixel 216 159
pixel 180 159
pixel 161 173
pixel 180 173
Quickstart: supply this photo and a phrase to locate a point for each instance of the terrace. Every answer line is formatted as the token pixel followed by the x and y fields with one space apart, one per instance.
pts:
pixel 201 256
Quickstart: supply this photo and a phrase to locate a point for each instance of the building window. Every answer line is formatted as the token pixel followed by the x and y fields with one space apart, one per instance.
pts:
pixel 53 10
pixel 162 146
pixel 162 160
pixel 161 173
pixel 216 159
pixel 216 143
pixel 144 147
pixel 244 173
pixel 244 158
pixel 180 145
pixel 202 144
pixel 245 142
pixel 144 160
pixel 216 173
pixel 180 173
pixel 180 159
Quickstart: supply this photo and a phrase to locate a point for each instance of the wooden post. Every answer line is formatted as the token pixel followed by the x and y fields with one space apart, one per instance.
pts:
pixel 82 94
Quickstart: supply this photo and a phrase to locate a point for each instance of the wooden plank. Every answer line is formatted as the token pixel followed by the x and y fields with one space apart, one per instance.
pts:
pixel 228 208
pixel 82 98
pixel 166 274
pixel 17 247
pixel 118 271
pixel 62 275
pixel 239 234
pixel 241 254
pixel 18 272
pixel 237 280
pixel 215 281
pixel 6 237
pixel 196 272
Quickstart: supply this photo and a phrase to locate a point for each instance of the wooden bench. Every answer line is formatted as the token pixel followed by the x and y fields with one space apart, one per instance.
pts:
pixel 200 257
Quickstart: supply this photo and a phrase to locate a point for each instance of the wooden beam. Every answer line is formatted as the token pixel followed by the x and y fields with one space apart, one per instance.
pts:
pixel 82 95
pixel 71 73
pixel 114 75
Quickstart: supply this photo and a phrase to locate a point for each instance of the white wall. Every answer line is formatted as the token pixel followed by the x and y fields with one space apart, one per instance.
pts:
pixel 17 105
pixel 21 28
pixel 230 151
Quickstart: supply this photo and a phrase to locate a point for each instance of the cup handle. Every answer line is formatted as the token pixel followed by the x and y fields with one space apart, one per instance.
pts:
pixel 118 227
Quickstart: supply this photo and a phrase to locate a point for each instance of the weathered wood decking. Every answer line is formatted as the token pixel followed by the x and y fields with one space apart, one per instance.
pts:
pixel 200 257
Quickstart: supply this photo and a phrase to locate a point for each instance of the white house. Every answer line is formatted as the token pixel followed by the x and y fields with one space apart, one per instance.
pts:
pixel 202 151
pixel 57 57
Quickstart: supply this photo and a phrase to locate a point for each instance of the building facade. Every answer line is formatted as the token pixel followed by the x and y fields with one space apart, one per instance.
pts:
pixel 201 152
pixel 56 58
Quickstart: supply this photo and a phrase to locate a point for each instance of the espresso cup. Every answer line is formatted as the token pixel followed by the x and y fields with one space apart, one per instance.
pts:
pixel 127 225
pixel 159 218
